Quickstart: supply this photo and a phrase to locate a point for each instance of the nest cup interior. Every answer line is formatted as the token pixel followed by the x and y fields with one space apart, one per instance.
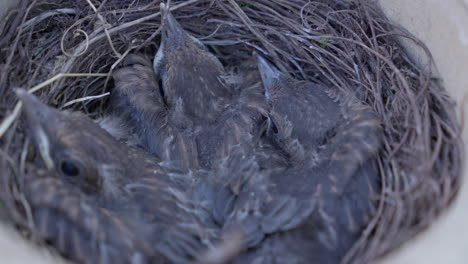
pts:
pixel 347 45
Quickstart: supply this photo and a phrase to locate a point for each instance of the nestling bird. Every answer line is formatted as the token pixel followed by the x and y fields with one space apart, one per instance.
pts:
pixel 313 126
pixel 222 144
pixel 314 209
pixel 191 117
pixel 173 101
pixel 189 72
pixel 111 203
pixel 168 118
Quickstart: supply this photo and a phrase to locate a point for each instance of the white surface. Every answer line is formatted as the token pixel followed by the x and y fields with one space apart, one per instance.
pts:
pixel 16 250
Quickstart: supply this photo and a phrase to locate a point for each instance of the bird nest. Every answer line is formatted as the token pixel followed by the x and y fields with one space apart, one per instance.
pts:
pixel 66 51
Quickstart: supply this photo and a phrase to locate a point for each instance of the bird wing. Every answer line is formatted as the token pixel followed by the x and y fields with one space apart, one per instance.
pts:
pixel 168 230
pixel 356 142
pixel 138 100
pixel 79 229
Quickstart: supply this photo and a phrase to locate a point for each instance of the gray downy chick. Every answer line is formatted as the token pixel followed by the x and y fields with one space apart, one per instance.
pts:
pixel 191 81
pixel 192 119
pixel 163 116
pixel 189 72
pixel 101 201
pixel 315 208
pixel 172 102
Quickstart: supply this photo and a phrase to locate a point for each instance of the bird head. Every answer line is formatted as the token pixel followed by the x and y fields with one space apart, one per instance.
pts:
pixel 175 41
pixel 271 77
pixel 187 70
pixel 174 37
pixel 73 146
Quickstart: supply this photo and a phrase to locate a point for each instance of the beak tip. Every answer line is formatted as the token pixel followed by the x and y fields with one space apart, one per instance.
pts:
pixel 163 7
pixel 27 99
pixel 20 93
pixel 269 74
pixel 169 23
pixel 260 59
pixel 39 119
pixel 34 108
pixel 266 68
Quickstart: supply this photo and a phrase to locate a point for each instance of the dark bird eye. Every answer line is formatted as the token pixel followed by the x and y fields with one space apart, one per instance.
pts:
pixel 69 169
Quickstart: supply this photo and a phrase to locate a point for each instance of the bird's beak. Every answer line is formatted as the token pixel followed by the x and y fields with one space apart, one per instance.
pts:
pixel 268 73
pixel 172 33
pixel 40 119
pixel 173 37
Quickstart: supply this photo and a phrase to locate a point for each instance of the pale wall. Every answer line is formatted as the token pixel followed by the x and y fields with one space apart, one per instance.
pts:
pixel 443 26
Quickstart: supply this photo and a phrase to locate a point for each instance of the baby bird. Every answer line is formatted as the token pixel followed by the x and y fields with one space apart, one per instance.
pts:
pixel 311 126
pixel 192 117
pixel 111 203
pixel 315 208
pixel 189 73
pixel 170 103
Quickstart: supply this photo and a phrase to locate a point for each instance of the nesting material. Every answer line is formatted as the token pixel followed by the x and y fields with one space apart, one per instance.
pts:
pixel 66 51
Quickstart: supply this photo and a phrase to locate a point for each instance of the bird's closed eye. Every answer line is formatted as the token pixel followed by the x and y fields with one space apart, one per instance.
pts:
pixel 69 168
pixel 273 126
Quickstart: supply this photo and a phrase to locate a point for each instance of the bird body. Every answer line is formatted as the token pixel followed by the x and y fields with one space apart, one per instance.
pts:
pixel 189 73
pixel 120 197
pixel 306 221
pixel 173 101
pixel 315 207
pixel 190 117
